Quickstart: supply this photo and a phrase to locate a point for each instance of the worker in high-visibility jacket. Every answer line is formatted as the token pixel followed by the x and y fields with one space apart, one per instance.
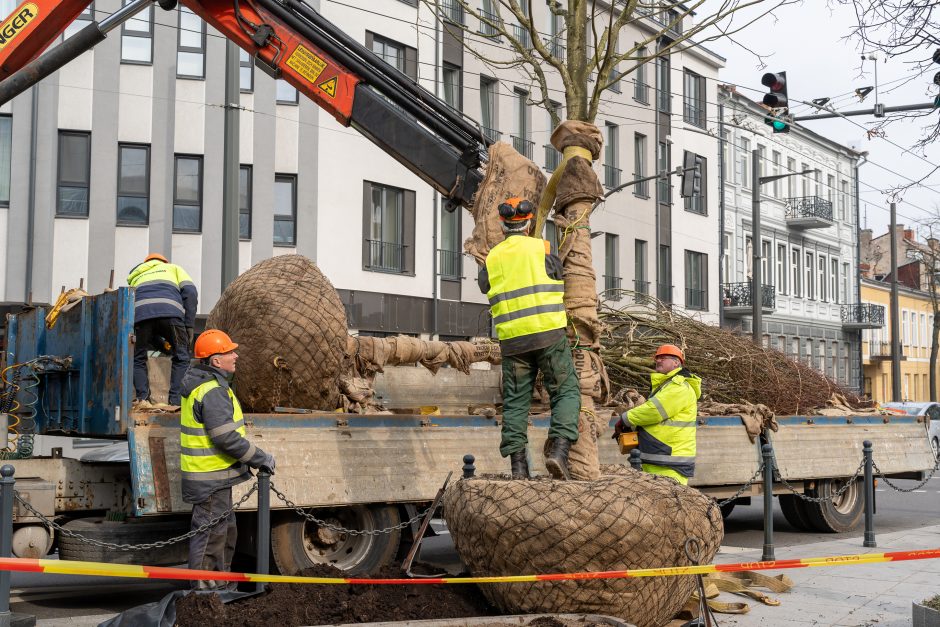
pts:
pixel 666 422
pixel 214 453
pixel 523 281
pixel 165 301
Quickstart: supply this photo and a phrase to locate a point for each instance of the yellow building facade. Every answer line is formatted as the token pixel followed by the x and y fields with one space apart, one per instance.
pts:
pixel 916 313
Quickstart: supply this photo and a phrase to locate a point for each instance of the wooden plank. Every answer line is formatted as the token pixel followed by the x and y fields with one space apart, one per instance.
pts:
pixel 161 480
pixel 452 391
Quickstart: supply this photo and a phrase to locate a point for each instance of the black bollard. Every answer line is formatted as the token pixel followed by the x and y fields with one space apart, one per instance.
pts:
pixel 468 468
pixel 263 541
pixel 768 453
pixel 6 536
pixel 635 462
pixel 869 496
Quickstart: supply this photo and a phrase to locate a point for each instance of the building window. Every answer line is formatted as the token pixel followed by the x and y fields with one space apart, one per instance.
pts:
pixel 843 202
pixel 765 262
pixel 489 90
pixel 795 273
pixel 614 79
pixel 846 294
pixel 725 151
pixel 84 19
pixel 693 99
pixel 834 281
pixel 641 283
pixel 641 89
pixel 726 257
pixel 639 166
pixel 831 189
pixel 451 260
pixel 821 277
pixel 612 279
pixel 696 281
pixel 285 209
pixel 453 83
pixel 187 194
pixel 521 140
pixel 388 229
pixel 664 274
pixel 761 160
pixel 805 178
pixel 137 38
pixel 399 56
pixel 246 72
pixel 133 186
pixel 74 173
pixel 698 203
pixel 285 93
pixel 6 154
pixel 663 163
pixel 810 288
pixel 191 51
pixel 244 202
pixel 612 156
pixel 663 85
pixel 775 171
pixel 781 269
pixel 743 170
pixel 791 181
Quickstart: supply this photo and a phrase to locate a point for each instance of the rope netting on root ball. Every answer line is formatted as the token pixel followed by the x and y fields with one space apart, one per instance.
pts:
pixel 732 367
pixel 627 520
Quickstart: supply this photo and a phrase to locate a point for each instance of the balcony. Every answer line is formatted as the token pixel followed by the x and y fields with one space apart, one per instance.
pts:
pixel 642 291
pixel 863 316
pixel 611 176
pixel 641 92
pixel 696 300
pixel 882 350
pixel 552 158
pixel 613 287
pixel 808 212
pixel 488 22
pixel 453 11
pixel 522 36
pixel 736 298
pixel 664 292
pixel 556 47
pixel 450 264
pixel 385 256
pixel 523 146
pixel 491 134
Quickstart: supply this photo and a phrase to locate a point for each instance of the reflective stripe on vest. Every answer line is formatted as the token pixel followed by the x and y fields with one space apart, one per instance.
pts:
pixel 524 300
pixel 197 454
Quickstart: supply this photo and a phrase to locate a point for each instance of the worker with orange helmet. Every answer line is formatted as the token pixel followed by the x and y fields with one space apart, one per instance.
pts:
pixel 214 453
pixel 523 281
pixel 666 422
pixel 165 301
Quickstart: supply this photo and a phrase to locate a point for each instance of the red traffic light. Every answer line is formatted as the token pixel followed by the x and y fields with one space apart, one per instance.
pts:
pixel 776 82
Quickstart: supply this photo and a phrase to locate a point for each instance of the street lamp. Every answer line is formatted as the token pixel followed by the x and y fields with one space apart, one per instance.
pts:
pixel 757 290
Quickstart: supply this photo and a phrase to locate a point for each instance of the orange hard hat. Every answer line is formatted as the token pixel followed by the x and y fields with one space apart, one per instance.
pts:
pixel 153 256
pixel 672 350
pixel 213 342
pixel 515 209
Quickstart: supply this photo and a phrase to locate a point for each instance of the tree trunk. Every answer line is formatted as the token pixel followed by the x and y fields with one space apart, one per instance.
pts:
pixel 934 349
pixel 576 93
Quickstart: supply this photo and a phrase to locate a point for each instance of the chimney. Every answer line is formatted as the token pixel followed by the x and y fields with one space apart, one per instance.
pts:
pixel 909 234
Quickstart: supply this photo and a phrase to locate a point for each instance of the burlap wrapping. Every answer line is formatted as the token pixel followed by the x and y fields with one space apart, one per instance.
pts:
pixel 371 354
pixel 756 418
pixel 290 326
pixel 628 521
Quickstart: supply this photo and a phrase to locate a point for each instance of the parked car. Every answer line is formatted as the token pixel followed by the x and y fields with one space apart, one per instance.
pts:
pixel 930 410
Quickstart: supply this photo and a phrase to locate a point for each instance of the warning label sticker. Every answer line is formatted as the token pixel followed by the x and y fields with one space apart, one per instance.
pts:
pixel 329 87
pixel 305 63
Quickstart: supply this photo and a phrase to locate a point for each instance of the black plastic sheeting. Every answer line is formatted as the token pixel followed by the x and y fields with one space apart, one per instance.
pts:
pixel 162 613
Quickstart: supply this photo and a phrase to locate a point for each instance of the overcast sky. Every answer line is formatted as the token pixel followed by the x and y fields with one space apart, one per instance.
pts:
pixel 807 41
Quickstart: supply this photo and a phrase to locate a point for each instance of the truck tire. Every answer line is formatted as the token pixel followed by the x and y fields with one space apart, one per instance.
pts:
pixel 841 514
pixel 131 531
pixel 794 510
pixel 297 544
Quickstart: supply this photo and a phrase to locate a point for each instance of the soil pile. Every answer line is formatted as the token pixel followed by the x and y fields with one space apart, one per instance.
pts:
pixel 288 605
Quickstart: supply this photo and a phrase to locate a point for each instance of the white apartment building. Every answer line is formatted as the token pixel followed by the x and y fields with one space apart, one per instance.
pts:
pixel 120 154
pixel 808 240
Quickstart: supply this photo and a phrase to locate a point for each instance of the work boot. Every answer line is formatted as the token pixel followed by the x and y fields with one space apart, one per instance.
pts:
pixel 557 460
pixel 520 465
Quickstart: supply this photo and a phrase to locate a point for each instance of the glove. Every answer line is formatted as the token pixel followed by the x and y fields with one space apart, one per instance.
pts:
pixel 622 426
pixel 267 465
pixel 190 335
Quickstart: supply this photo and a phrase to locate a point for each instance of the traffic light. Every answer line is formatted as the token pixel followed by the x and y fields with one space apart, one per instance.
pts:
pixel 691 175
pixel 776 99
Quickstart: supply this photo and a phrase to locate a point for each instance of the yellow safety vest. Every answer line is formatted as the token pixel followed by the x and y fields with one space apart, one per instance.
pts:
pixel 524 300
pixel 197 454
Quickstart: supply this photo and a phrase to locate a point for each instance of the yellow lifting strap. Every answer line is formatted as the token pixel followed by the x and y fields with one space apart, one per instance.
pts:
pixel 548 196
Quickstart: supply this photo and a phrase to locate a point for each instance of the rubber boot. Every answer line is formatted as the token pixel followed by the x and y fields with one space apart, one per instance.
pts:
pixel 557 460
pixel 520 465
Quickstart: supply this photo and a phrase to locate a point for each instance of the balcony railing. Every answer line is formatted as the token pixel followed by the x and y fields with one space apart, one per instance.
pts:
pixel 736 298
pixel 453 11
pixel 556 47
pixel 882 350
pixel 863 316
pixel 641 189
pixel 694 113
pixel 611 176
pixel 642 290
pixel 491 134
pixel 487 28
pixel 523 146
pixel 696 299
pixel 522 35
pixel 386 256
pixel 641 92
pixel 450 264
pixel 664 292
pixel 613 287
pixel 552 158
pixel 808 212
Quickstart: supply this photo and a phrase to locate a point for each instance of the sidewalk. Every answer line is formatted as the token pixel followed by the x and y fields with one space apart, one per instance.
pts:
pixel 867 594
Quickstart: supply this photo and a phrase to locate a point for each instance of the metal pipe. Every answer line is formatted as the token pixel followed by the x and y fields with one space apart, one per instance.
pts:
pixel 263 541
pixel 869 495
pixel 768 453
pixel 6 538
pixel 824 116
pixel 895 311
pixel 757 292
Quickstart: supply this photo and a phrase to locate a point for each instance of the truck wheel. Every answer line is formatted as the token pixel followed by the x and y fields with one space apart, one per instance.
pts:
pixel 838 515
pixel 32 541
pixel 131 531
pixel 794 510
pixel 297 543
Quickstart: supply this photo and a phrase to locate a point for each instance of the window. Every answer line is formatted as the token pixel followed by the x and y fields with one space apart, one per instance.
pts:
pixel 775 171
pixel 191 51
pixel 831 189
pixel 488 27
pixel 451 261
pixel 725 153
pixel 791 181
pixel 639 165
pixel 614 80
pixel 663 162
pixel 664 275
pixel 810 288
pixel 795 273
pixel 388 229
pixel 611 156
pixel 84 19
pixel 696 281
pixel 6 152
pixel 246 72
pixel 399 56
pixel 133 185
pixel 744 163
pixel 187 194
pixel 663 85
pixel 748 256
pixel 761 160
pixel 693 99
pixel 74 173
pixel 453 83
pixel 834 282
pixel 244 202
pixel 805 178
pixel 905 330
pixel 137 38
pixel 698 203
pixel 640 275
pixel 641 90
pixel 817 183
pixel 489 89
pixel 285 209
pixel 821 354
pixel 520 140
pixel 846 294
pixel 726 257
pixel 821 274
pixel 843 202
pixel 285 93
pixel 612 278
pixel 765 262
pixel 781 277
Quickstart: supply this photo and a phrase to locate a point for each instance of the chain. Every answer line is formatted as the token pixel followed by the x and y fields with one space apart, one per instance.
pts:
pixel 757 473
pixel 131 547
pixel 900 489
pixel 821 499
pixel 337 528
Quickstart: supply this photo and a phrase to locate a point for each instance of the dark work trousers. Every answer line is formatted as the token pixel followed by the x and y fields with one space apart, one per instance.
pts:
pixel 561 381
pixel 214 549
pixel 153 335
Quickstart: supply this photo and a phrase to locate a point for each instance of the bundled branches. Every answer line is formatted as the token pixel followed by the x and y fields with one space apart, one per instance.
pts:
pixel 733 369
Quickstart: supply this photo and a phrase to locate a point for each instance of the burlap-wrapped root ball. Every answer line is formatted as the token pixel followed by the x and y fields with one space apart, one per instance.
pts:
pixel 628 521
pixel 290 326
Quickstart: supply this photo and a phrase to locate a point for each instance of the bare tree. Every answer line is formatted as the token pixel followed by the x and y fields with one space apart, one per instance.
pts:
pixel 928 258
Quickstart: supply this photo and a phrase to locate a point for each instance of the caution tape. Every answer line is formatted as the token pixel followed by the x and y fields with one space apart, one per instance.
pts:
pixel 102 569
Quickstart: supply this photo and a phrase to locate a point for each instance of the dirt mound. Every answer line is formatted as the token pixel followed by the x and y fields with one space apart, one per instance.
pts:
pixel 289 605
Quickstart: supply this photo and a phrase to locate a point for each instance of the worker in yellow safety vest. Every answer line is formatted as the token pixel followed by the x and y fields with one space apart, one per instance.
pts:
pixel 214 453
pixel 666 422
pixel 523 281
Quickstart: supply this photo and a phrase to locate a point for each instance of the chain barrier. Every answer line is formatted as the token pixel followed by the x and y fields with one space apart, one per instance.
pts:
pixel 821 499
pixel 131 547
pixel 900 489
pixel 757 473
pixel 353 532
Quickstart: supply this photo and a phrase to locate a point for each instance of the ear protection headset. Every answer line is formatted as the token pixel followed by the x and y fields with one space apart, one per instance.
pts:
pixel 515 210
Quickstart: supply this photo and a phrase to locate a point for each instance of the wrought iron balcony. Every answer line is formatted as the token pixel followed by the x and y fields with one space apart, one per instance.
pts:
pixel 552 158
pixel 488 27
pixel 523 146
pixel 556 47
pixel 491 134
pixel 450 264
pixel 522 35
pixel 736 298
pixel 808 212
pixel 611 176
pixel 641 92
pixel 642 290
pixel 613 287
pixel 386 256
pixel 453 11
pixel 863 316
